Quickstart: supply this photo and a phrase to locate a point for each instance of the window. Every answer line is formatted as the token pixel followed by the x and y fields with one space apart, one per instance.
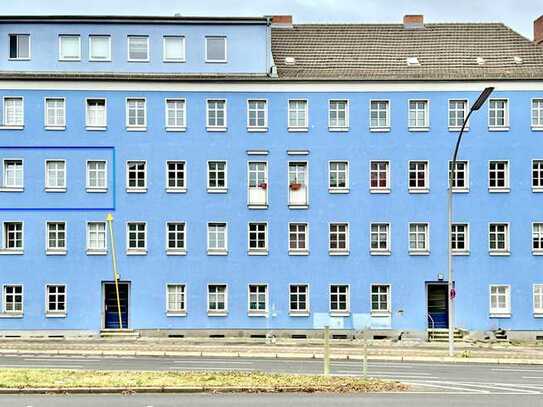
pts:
pixel 537 175
pixel 55 175
pixel 419 238
pixel 460 238
pixel 257 115
pixel 174 48
pixel 339 299
pixel 175 174
pixel 13 237
pixel 419 176
pixel 216 176
pixel 498 176
pixel 338 115
pixel 379 176
pixel 175 114
pixel 55 113
pixel 99 48
pixel 258 184
pixel 56 238
pixel 537 238
pixel 13 112
pixel 379 238
pixel 96 114
pixel 69 48
pixel 460 182
pixel 537 113
pixel 217 299
pixel 136 114
pixel 217 238
pixel 258 298
pixel 418 115
pixel 96 238
pixel 297 115
pixel 13 175
pixel 56 299
pixel 96 176
pixel 216 49
pixel 216 115
pixel 13 299
pixel 298 184
pixel 258 238
pixel 19 46
pixel 500 301
pixel 298 238
pixel 458 110
pixel 498 238
pixel 299 299
pixel 175 238
pixel 498 114
pixel 379 115
pixel 176 299
pixel 136 238
pixel 138 48
pixel 338 176
pixel 136 176
pixel 538 298
pixel 339 238
pixel 380 299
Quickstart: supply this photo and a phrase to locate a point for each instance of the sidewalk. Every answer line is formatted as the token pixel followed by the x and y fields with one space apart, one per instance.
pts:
pixel 282 348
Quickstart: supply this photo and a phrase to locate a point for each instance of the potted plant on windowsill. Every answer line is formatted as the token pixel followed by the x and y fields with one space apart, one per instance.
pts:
pixel 295 186
pixel 263 185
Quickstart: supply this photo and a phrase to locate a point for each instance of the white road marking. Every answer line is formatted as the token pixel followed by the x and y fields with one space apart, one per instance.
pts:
pixel 532 377
pixel 499 386
pixel 212 362
pixel 517 370
pixel 58 359
pixel 42 366
pixel 213 369
pixel 447 387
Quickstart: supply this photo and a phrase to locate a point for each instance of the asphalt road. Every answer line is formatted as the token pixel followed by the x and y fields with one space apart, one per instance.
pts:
pixel 276 400
pixel 462 378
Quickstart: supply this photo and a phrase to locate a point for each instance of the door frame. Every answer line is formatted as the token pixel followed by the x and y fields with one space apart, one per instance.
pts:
pixel 438 283
pixel 103 302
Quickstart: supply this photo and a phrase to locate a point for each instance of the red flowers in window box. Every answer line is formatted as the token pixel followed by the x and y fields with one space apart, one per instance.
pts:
pixel 295 186
pixel 263 185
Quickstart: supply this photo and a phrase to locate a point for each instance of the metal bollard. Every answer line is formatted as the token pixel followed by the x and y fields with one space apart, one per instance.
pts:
pixel 326 350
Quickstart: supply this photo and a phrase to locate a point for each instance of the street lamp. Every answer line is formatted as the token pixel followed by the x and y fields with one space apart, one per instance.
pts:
pixel 451 293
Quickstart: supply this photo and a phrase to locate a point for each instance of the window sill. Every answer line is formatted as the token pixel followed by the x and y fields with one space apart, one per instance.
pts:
pixel 55 189
pixel 138 60
pixel 136 252
pixel 176 129
pixel 380 314
pixel 50 252
pixel 8 315
pixel 96 252
pixel 537 128
pixel 55 315
pixel 257 253
pixel 340 313
pixel 136 129
pixel 136 190
pixel 499 190
pixel 176 314
pixel 217 313
pixel 380 252
pixel 419 191
pixel 257 129
pixel 461 253
pixel 338 129
pixel 298 206
pixel 500 315
pixel 257 206
pixel 419 253
pixel 217 253
pixel 12 127
pixel 538 314
pixel 298 252
pixel 12 189
pixel 460 190
pixel 96 128
pixel 299 313
pixel 55 128
pixel 379 129
pixel 503 128
pixel 258 314
pixel 96 190
pixel 176 190
pixel 217 129
pixel 11 252
pixel 176 252
pixel 457 129
pixel 537 252
pixel 298 129
pixel 338 253
pixel 500 253
pixel 338 190
pixel 217 190
pixel 537 189
pixel 380 191
pixel 418 129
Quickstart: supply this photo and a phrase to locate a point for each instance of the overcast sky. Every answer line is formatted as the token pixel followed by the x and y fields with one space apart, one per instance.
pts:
pixel 518 14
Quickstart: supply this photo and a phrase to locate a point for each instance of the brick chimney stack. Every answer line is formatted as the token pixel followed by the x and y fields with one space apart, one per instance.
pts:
pixel 538 31
pixel 282 21
pixel 413 21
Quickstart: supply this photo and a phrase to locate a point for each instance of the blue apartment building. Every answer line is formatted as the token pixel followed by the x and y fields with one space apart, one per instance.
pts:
pixel 267 176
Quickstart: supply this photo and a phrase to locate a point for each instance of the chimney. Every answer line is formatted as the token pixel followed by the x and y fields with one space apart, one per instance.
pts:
pixel 282 21
pixel 413 21
pixel 538 31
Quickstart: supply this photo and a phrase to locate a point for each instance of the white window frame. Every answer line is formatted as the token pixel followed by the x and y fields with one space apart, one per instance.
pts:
pixel 537 290
pixel 331 127
pixel 536 126
pixel 336 251
pixel 539 187
pixel 90 126
pixel 136 250
pixel 419 126
pixel 136 189
pixel 258 312
pixel 306 184
pixel 17 125
pixel 54 126
pixel 298 128
pixel 506 251
pixel 388 293
pixel 507 177
pixel 55 313
pixel 217 251
pixel 62 188
pixel 336 189
pixel 466 250
pixel 217 312
pixel 96 251
pixel 505 126
pixel 500 312
pixel 68 59
pixel 537 234
pixel 299 312
pixel 347 310
pixel 182 126
pixel 262 187
pixel 419 190
pixel 12 312
pixel 176 189
pixel 176 251
pixel 12 188
pixel 177 312
pixel 128 37
pixel 100 189
pixel 257 251
pixel 216 61
pixel 378 189
pixel 216 189
pixel 379 129
pixel 379 251
pixel 216 127
pixel 7 250
pixel 457 127
pixel 419 251
pixel 257 128
pixel 183 48
pixel 455 188
pixel 17 58
pixel 94 59
pixel 136 127
pixel 298 251
pixel 56 251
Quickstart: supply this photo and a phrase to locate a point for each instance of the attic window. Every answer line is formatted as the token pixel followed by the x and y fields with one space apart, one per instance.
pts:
pixel 480 61
pixel 412 61
pixel 290 61
pixel 518 60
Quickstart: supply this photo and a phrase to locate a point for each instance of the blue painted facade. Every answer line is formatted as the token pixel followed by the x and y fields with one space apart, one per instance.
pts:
pixel 149 274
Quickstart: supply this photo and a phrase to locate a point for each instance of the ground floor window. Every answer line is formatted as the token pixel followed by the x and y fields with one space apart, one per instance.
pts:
pixel 56 299
pixel 217 299
pixel 176 298
pixel 13 299
pixel 380 298
pixel 538 298
pixel 299 298
pixel 339 298
pixel 258 298
pixel 500 300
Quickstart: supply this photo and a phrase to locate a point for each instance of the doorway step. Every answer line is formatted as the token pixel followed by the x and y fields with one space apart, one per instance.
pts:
pixel 442 335
pixel 119 333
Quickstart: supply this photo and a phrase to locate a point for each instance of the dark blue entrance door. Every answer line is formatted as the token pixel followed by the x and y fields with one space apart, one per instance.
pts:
pixel 111 308
pixel 438 306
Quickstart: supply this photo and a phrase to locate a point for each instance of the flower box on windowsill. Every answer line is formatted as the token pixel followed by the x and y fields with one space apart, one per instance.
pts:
pixel 295 186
